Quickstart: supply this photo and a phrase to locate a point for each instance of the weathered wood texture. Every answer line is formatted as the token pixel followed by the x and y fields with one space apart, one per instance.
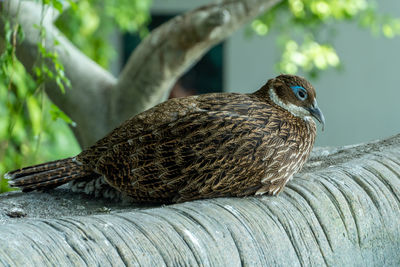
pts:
pixel 342 210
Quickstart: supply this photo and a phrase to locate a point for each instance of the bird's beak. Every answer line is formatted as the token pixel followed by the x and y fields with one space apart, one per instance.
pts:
pixel 316 113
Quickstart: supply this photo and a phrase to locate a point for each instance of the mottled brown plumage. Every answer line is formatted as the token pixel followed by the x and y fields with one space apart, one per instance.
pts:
pixel 196 147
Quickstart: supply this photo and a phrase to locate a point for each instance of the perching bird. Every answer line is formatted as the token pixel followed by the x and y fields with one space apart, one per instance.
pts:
pixel 212 145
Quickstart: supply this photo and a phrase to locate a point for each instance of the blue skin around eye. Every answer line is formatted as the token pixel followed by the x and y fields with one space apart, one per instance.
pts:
pixel 296 89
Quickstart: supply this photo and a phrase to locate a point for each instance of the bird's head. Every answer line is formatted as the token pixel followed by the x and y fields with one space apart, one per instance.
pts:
pixel 296 95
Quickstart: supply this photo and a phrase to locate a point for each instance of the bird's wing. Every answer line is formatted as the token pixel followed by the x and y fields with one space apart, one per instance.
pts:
pixel 160 116
pixel 161 161
pixel 188 157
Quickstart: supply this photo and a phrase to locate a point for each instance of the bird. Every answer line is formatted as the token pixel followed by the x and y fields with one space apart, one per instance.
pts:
pixel 197 147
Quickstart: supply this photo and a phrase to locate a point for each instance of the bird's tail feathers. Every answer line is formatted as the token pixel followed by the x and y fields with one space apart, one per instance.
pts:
pixel 47 175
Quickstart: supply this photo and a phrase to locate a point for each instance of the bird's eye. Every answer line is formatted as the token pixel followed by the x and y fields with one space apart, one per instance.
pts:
pixel 300 92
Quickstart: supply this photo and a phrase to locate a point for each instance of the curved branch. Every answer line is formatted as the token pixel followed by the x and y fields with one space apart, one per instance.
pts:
pixel 95 101
pixel 342 210
pixel 86 102
pixel 172 48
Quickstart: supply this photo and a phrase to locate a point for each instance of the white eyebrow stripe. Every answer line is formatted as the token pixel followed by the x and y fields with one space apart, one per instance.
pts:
pixel 295 110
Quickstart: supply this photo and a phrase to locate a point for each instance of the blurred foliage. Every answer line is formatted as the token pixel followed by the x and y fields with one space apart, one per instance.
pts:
pixel 90 23
pixel 32 129
pixel 306 30
pixel 29 133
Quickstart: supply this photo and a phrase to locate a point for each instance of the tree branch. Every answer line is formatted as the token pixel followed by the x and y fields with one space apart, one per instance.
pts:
pixel 95 101
pixel 342 210
pixel 172 48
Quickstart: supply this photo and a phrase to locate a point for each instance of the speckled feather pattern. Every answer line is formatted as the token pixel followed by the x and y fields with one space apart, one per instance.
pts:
pixel 202 147
pixel 205 146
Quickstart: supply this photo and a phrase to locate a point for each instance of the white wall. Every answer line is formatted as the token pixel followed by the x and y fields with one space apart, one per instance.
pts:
pixel 361 103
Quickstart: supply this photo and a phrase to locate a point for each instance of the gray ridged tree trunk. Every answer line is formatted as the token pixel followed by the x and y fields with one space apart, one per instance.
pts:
pixel 342 210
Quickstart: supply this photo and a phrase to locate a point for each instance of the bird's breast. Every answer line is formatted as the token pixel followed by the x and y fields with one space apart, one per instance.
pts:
pixel 286 150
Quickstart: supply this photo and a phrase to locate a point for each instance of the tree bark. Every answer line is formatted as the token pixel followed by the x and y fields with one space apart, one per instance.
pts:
pixel 97 101
pixel 342 210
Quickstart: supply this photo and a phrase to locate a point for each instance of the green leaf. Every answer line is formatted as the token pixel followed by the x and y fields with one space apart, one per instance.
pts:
pixel 57 113
pixel 73 5
pixel 57 5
